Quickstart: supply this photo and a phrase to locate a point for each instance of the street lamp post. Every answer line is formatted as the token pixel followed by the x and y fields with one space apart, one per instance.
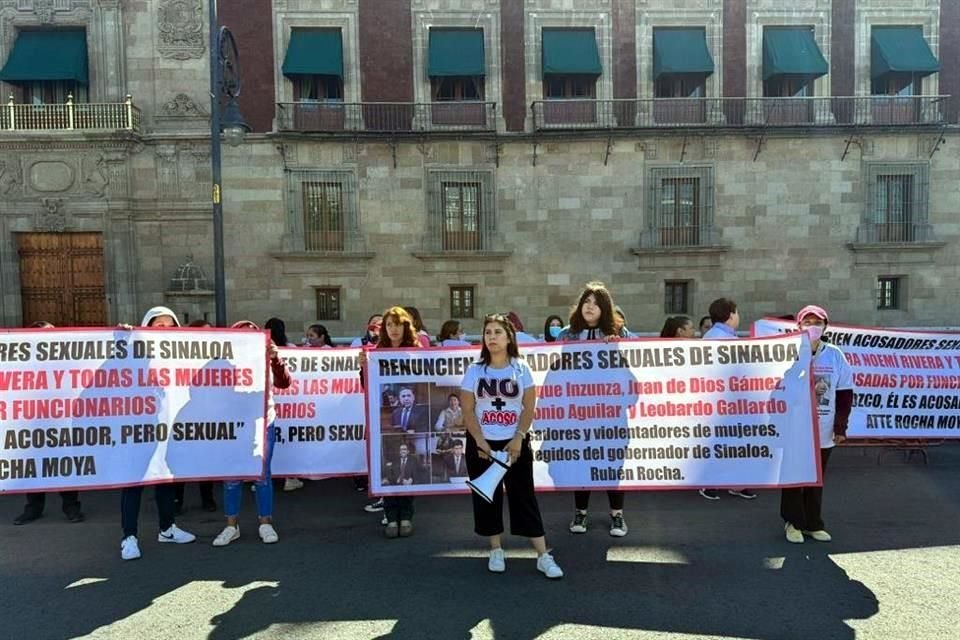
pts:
pixel 224 83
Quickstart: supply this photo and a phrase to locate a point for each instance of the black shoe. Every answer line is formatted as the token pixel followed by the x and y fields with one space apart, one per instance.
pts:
pixel 27 516
pixel 746 494
pixel 75 517
pixel 210 506
pixel 709 494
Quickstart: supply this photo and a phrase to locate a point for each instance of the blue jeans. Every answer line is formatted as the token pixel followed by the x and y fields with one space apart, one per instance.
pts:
pixel 233 489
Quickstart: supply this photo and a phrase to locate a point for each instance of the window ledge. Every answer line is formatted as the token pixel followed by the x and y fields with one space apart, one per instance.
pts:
pixel 462 255
pixel 913 247
pixel 690 250
pixel 321 256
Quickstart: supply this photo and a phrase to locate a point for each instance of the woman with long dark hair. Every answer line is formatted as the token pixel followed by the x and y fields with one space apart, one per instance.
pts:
pixel 593 319
pixel 500 367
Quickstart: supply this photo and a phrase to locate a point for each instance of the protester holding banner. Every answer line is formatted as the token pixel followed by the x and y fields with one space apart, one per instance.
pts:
pixel 396 332
pixel 499 399
pixel 233 489
pixel 724 322
pixel 165 494
pixel 833 384
pixel 593 319
pixel 451 335
pixel 70 500
pixel 318 337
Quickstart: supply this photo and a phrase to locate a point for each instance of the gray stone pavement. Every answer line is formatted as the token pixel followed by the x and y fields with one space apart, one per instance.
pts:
pixel 689 569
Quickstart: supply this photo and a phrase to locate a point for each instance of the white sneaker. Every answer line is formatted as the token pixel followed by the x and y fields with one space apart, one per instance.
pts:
pixel 228 535
pixel 548 566
pixel 496 563
pixel 618 526
pixel 129 549
pixel 819 535
pixel 268 534
pixel 292 484
pixel 176 535
pixel 793 534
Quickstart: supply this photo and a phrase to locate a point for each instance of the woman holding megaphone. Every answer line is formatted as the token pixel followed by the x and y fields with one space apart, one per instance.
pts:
pixel 498 398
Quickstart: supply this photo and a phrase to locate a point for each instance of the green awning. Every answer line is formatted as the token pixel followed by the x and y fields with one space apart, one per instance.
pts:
pixel 900 50
pixel 792 52
pixel 681 51
pixel 47 55
pixel 455 52
pixel 570 52
pixel 314 52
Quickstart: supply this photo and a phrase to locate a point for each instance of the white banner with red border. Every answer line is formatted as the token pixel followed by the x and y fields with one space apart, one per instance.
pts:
pixel 906 383
pixel 102 408
pixel 320 419
pixel 634 415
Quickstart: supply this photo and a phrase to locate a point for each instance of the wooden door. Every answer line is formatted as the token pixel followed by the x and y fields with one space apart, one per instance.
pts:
pixel 62 279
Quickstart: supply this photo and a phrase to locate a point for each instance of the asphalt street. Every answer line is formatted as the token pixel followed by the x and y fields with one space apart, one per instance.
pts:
pixel 688 569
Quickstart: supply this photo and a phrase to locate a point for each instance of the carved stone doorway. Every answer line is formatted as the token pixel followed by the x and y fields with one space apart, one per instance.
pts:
pixel 62 279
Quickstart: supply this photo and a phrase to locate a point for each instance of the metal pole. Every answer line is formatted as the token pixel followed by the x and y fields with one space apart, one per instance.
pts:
pixel 219 281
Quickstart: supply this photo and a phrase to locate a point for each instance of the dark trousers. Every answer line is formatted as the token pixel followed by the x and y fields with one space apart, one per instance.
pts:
pixel 206 492
pixel 525 517
pixel 801 507
pixel 398 508
pixel 70 500
pixel 581 499
pixel 130 507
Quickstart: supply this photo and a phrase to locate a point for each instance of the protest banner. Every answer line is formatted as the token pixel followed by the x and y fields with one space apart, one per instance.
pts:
pixel 320 417
pixel 633 414
pixel 906 383
pixel 94 409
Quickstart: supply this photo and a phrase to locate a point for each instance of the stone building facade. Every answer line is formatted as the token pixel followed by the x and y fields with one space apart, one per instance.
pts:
pixel 849 200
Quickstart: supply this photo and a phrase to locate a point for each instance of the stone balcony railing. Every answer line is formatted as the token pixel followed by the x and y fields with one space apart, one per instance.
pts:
pixel 70 116
pixel 739 113
pixel 386 117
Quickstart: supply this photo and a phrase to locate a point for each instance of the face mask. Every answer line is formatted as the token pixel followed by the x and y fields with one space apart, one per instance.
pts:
pixel 315 342
pixel 814 331
pixel 555 332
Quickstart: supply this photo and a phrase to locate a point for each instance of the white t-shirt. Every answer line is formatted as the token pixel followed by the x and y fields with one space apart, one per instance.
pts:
pixel 831 373
pixel 499 395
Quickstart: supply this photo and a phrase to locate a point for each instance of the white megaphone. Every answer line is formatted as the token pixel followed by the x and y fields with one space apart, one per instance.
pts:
pixel 486 484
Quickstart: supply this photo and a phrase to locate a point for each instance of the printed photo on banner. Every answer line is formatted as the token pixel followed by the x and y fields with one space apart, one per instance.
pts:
pixel 633 414
pixel 320 417
pixel 422 437
pixel 107 408
pixel 906 383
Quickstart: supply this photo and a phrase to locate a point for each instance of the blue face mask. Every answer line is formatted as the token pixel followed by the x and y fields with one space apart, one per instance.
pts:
pixel 555 331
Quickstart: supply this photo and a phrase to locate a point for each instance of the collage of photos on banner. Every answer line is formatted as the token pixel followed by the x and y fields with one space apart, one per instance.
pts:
pixel 423 438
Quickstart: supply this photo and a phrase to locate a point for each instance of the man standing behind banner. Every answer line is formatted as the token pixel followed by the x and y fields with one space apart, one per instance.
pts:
pixel 725 319
pixel 499 398
pixel 833 384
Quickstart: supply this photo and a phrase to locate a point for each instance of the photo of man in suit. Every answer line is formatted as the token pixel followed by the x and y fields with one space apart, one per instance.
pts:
pixel 408 417
pixel 405 470
pixel 455 462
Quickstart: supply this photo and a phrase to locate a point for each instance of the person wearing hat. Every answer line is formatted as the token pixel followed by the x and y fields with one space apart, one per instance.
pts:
pixel 833 383
pixel 130 497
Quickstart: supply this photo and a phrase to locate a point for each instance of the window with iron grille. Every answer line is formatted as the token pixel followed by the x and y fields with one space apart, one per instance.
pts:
pixel 896 203
pixel 889 292
pixel 461 301
pixel 461 211
pixel 323 212
pixel 680 206
pixel 328 303
pixel 676 296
